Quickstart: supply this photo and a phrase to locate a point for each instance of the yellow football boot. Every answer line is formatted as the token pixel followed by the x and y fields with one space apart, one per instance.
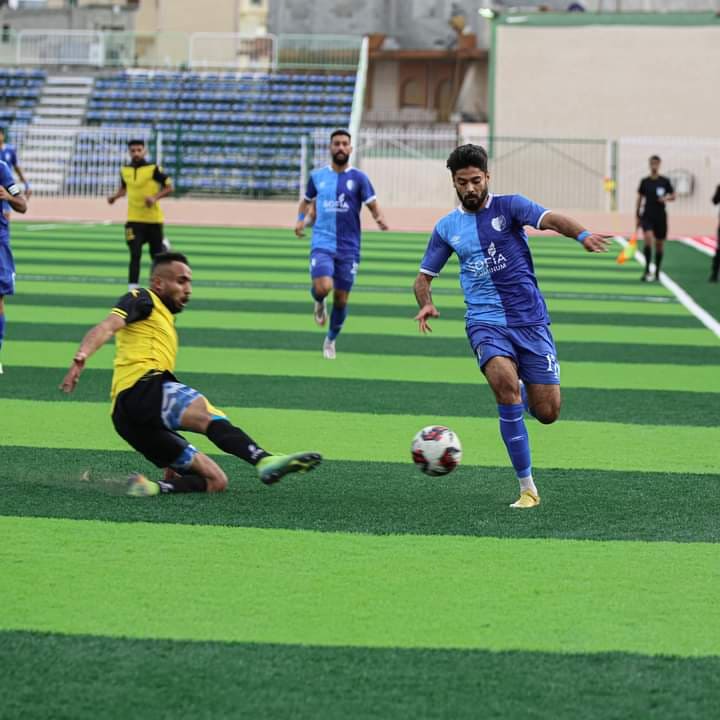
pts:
pixel 527 499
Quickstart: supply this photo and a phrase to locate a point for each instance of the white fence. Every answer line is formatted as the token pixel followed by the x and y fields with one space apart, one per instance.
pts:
pixel 201 50
pixel 79 161
pixel 408 169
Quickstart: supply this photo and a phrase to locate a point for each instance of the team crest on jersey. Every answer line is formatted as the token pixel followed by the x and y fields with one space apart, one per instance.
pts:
pixel 350 184
pixel 499 223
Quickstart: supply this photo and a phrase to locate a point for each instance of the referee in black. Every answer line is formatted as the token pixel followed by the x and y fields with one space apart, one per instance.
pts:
pixel 715 270
pixel 655 190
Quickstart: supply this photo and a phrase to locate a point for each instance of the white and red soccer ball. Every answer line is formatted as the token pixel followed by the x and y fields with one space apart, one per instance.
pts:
pixel 436 450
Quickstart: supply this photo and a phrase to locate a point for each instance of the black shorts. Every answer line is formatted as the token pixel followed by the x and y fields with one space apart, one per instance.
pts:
pixel 656 224
pixel 136 417
pixel 140 232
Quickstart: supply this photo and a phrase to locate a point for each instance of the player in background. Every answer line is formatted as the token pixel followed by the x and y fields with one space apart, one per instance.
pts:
pixel 338 192
pixel 507 321
pixel 150 405
pixel 145 184
pixel 10 195
pixel 8 155
pixel 653 192
pixel 715 268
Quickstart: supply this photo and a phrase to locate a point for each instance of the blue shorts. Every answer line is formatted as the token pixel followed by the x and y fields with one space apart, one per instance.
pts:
pixel 341 269
pixel 532 348
pixel 7 269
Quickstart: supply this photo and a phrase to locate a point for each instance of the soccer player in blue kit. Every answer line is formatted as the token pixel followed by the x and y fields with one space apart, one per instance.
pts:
pixel 339 191
pixel 10 194
pixel 507 321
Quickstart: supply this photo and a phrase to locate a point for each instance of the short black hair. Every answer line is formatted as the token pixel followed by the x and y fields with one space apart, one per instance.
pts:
pixel 655 157
pixel 467 156
pixel 136 141
pixel 340 131
pixel 167 258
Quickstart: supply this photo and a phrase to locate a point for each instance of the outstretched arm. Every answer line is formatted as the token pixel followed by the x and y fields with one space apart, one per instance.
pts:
pixel 94 339
pixel 592 242
pixel 423 295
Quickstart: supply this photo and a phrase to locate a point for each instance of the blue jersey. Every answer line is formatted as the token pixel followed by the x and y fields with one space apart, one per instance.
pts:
pixel 8 182
pixel 8 155
pixel 496 269
pixel 340 197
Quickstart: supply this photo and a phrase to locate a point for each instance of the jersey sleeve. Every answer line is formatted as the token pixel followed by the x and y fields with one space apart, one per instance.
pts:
pixel 13 157
pixel 122 180
pixel 367 191
pixel 437 253
pixel 311 191
pixel 669 189
pixel 641 187
pixel 133 306
pixel 160 177
pixel 8 181
pixel 527 212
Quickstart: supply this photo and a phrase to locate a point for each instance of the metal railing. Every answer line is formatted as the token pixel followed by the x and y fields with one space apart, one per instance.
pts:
pixel 221 51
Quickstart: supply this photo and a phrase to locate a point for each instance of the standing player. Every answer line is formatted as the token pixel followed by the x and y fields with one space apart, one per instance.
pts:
pixel 8 155
pixel 144 183
pixel 10 195
pixel 654 191
pixel 506 318
pixel 150 405
pixel 715 267
pixel 338 191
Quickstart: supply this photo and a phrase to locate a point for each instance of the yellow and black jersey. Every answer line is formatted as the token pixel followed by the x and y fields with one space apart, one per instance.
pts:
pixel 148 342
pixel 141 181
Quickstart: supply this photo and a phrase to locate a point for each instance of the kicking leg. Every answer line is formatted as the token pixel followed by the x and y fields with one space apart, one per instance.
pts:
pixel 502 376
pixel 201 417
pixel 321 288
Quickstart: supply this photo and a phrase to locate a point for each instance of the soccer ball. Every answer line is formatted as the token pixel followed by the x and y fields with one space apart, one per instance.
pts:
pixel 436 450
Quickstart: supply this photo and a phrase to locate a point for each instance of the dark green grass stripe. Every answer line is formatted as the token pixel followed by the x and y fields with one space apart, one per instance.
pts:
pixel 237 267
pixel 359 308
pixel 50 675
pixel 389 397
pixel 388 344
pixel 119 283
pixel 376 498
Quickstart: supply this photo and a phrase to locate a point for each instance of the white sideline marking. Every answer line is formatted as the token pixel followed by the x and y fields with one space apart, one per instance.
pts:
pixel 695 245
pixel 699 312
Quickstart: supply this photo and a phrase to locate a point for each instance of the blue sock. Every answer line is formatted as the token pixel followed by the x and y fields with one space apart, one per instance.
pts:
pixel 316 297
pixel 2 328
pixel 337 318
pixel 514 434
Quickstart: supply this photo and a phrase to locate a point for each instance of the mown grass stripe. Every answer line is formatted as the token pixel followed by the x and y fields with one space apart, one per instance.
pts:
pixel 397 327
pixel 352 395
pixel 386 438
pixel 372 497
pixel 299 306
pixel 378 592
pixel 401 298
pixel 45 674
pixel 223 358
pixel 248 267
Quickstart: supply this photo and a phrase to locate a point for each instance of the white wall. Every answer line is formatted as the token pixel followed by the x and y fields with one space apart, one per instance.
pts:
pixel 607 81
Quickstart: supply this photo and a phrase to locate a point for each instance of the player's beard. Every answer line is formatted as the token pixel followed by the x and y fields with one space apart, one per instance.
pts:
pixel 340 158
pixel 472 202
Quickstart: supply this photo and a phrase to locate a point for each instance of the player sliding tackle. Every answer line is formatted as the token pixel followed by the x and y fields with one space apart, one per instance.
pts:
pixel 507 321
pixel 150 405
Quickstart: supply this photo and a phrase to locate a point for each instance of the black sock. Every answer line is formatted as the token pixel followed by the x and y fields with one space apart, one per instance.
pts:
pixel 233 440
pixel 716 263
pixel 658 262
pixel 647 251
pixel 184 484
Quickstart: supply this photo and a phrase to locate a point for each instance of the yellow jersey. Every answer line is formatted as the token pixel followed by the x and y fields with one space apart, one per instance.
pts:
pixel 147 343
pixel 141 181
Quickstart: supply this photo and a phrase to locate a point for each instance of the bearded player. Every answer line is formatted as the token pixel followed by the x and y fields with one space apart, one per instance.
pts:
pixel 507 321
pixel 150 405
